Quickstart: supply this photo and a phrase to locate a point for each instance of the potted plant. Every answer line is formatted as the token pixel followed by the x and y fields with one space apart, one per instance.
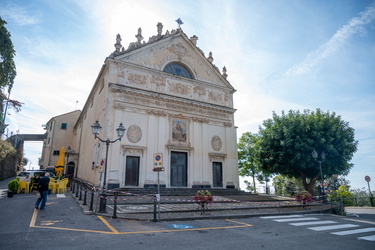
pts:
pixel 12 187
pixel 203 197
pixel 304 197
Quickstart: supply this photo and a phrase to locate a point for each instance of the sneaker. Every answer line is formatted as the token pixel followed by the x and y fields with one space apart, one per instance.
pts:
pixel 36 208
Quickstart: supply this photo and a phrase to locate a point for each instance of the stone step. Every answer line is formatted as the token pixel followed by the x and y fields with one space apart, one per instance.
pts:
pixel 181 191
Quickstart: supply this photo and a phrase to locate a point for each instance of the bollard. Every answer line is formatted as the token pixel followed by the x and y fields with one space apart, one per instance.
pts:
pixel 92 201
pixel 80 194
pixel 103 202
pixel 74 187
pixel 85 198
pixel 115 206
pixel 78 187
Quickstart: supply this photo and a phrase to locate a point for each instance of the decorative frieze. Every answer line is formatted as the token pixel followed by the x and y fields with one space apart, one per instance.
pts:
pixel 137 79
pixel 165 102
pixel 159 81
pixel 179 88
pixel 119 105
pixel 200 90
pixel 215 97
pixel 156 112
pixel 200 120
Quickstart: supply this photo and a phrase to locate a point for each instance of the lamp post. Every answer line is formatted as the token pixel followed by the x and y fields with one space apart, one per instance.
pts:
pixel 120 133
pixel 323 157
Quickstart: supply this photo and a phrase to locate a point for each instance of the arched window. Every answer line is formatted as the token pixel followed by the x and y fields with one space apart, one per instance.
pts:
pixel 177 69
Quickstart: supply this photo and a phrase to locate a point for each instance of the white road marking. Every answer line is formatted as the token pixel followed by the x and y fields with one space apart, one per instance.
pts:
pixel 369 238
pixel 310 223
pixel 296 219
pixel 355 231
pixel 281 216
pixel 332 227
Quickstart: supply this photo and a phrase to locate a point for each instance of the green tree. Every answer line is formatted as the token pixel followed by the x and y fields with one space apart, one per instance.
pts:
pixel 264 178
pixel 248 163
pixel 25 161
pixel 7 74
pixel 286 143
pixel 335 184
pixel 286 186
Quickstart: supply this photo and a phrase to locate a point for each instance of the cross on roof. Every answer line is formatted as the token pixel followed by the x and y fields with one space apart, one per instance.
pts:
pixel 179 21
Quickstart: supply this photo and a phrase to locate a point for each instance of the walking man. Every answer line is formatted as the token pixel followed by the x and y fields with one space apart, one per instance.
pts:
pixel 43 186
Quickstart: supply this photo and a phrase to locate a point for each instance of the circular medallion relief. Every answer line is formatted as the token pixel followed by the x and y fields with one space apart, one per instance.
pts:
pixel 134 133
pixel 216 143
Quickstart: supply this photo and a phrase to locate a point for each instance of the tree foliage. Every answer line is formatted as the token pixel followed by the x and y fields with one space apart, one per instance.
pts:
pixel 7 73
pixel 286 186
pixel 248 163
pixel 286 143
pixel 7 52
pixel 6 149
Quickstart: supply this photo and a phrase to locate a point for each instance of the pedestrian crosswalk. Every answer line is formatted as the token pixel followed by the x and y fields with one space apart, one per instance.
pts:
pixel 331 226
pixel 3 193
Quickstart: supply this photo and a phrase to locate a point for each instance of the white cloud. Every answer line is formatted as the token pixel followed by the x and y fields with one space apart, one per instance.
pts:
pixel 18 15
pixel 337 41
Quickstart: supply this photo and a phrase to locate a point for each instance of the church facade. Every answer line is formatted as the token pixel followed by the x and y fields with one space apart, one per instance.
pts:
pixel 177 108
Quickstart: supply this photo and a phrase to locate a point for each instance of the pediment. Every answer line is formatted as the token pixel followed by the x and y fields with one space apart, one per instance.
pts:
pixel 177 47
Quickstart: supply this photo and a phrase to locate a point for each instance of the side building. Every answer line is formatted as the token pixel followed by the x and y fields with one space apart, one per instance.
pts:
pixel 177 108
pixel 59 134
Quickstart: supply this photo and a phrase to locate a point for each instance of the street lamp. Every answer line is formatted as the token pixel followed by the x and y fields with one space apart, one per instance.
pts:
pixel 323 156
pixel 120 133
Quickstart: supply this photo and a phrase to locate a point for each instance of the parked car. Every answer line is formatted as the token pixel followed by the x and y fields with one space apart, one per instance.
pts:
pixel 35 172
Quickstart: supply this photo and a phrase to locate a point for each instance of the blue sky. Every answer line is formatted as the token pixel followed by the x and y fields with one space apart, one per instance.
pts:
pixel 280 55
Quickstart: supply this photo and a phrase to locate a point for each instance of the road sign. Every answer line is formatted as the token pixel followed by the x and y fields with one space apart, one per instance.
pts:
pixel 158 160
pixel 367 178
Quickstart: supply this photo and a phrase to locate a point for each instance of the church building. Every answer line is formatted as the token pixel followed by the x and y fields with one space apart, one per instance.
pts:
pixel 177 109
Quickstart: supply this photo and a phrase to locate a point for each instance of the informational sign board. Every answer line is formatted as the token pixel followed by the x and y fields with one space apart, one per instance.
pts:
pixel 367 178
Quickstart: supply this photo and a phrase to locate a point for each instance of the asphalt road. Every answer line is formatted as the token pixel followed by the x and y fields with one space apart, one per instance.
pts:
pixel 63 225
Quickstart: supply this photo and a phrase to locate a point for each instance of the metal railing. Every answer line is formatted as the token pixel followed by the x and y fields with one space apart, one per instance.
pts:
pixel 146 206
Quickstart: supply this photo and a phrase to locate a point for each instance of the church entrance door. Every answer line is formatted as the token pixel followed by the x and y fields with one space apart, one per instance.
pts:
pixel 178 169
pixel 132 171
pixel 217 170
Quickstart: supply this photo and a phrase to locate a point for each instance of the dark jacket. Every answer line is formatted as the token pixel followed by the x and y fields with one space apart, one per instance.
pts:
pixel 43 184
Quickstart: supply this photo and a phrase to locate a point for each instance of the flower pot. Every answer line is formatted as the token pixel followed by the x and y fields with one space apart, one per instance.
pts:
pixel 10 194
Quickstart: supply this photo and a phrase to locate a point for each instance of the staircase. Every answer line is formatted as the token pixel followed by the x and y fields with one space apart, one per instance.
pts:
pixel 181 191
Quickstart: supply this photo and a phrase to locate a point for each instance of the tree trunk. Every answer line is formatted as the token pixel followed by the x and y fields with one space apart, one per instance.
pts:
pixel 309 187
pixel 255 190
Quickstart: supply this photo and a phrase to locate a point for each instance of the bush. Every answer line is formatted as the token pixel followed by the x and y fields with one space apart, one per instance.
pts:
pixel 6 149
pixel 13 185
